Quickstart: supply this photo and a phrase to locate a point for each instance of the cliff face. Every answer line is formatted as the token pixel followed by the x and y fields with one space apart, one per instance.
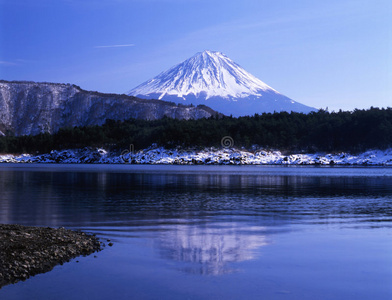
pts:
pixel 29 108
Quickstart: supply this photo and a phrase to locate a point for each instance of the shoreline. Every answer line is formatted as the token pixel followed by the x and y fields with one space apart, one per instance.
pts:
pixel 207 156
pixel 26 251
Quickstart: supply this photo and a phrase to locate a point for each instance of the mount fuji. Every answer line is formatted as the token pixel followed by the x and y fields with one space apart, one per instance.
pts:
pixel 211 78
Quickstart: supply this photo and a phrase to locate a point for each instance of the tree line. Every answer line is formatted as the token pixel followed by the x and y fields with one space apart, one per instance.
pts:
pixel 355 131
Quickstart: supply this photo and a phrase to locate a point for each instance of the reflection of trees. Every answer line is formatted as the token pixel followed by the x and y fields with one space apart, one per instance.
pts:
pixel 211 249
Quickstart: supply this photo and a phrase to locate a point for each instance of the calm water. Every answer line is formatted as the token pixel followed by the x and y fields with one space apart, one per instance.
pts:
pixel 209 232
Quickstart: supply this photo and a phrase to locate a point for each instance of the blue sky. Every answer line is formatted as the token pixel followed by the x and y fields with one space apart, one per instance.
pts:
pixel 335 54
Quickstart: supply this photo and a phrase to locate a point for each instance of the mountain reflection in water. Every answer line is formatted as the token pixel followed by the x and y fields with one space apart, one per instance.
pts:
pixel 210 250
pixel 56 197
pixel 209 232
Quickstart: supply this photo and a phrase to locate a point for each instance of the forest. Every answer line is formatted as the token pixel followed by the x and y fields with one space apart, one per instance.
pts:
pixel 352 131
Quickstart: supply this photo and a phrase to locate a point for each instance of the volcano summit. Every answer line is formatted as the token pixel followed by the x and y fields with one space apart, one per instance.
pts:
pixel 213 79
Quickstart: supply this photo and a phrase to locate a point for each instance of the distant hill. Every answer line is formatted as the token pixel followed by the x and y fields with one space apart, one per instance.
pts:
pixel 322 131
pixel 213 79
pixel 29 108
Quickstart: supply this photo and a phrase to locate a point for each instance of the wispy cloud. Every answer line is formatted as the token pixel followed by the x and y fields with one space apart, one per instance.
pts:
pixel 19 60
pixel 7 63
pixel 16 62
pixel 115 46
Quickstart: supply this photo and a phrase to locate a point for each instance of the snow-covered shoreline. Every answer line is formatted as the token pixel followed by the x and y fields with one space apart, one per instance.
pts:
pixel 207 156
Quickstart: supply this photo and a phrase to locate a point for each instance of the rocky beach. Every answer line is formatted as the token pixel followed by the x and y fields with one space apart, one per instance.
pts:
pixel 27 251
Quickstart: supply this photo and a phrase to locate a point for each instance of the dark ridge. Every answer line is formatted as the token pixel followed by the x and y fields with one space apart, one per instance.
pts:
pixel 321 131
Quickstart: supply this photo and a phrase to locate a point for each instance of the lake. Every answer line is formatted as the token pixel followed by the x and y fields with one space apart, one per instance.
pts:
pixel 209 232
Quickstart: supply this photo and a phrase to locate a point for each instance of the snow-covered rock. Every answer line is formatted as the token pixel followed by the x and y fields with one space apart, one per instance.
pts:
pixel 213 79
pixel 207 156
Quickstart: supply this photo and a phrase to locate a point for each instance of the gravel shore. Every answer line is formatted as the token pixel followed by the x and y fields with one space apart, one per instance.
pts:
pixel 27 251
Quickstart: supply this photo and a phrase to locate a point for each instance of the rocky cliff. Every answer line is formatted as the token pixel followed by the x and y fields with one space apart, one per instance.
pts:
pixel 29 108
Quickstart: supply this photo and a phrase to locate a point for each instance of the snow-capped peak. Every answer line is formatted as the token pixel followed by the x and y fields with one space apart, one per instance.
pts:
pixel 209 73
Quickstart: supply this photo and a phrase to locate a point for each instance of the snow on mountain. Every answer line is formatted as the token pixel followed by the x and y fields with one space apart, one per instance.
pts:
pixel 212 73
pixel 213 79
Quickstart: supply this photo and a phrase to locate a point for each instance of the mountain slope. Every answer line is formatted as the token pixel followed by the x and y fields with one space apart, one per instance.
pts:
pixel 211 78
pixel 30 108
